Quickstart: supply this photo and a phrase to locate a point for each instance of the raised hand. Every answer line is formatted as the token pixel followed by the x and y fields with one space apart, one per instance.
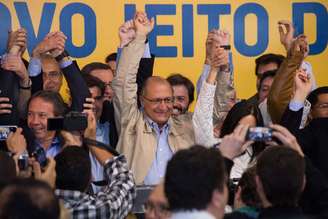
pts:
pixel 287 139
pixel 286 32
pixel 54 43
pixel 90 131
pixel 71 138
pixel 16 142
pixel 15 63
pixel 126 33
pixel 234 144
pixel 208 45
pixel 222 37
pixel 300 44
pixel 142 24
pixel 303 84
pixel 17 40
pixel 49 173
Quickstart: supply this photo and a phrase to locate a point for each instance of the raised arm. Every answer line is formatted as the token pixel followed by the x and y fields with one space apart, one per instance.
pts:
pixel 282 87
pixel 124 83
pixel 225 91
pixel 203 114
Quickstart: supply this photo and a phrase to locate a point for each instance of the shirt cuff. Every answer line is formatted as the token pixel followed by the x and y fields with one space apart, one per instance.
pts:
pixel 147 51
pixel 295 105
pixel 64 64
pixel 34 68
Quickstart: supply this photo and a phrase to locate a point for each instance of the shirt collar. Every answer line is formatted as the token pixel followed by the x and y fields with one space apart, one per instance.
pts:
pixel 192 215
pixel 54 143
pixel 155 126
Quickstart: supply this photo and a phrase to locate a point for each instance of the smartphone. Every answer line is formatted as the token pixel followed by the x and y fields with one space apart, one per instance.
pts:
pixel 259 134
pixel 5 130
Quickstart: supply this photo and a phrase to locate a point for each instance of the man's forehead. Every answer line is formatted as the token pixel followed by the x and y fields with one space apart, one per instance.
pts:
pixel 40 105
pixel 159 88
pixel 49 65
pixel 106 75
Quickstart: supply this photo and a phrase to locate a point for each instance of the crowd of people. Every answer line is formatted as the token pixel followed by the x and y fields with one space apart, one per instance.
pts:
pixel 78 143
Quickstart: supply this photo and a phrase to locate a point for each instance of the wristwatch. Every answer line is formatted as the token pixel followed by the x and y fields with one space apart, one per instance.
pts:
pixel 61 56
pixel 26 86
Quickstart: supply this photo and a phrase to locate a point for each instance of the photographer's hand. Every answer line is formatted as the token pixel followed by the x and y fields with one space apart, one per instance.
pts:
pixel 49 173
pixel 101 155
pixel 16 142
pixel 5 106
pixel 287 138
pixel 234 144
pixel 71 138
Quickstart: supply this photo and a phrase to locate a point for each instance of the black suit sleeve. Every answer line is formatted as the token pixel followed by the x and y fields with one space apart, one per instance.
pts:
pixel 78 88
pixel 145 71
pixel 292 120
pixel 37 83
pixel 9 88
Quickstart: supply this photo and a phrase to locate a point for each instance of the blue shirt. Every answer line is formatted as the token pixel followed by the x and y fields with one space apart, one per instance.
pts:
pixel 54 148
pixel 97 170
pixel 163 154
pixel 34 67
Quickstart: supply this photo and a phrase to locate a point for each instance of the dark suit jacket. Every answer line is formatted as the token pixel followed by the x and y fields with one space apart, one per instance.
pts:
pixel 9 87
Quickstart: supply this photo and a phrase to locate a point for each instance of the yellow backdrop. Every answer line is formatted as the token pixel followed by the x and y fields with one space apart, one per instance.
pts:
pixel 110 14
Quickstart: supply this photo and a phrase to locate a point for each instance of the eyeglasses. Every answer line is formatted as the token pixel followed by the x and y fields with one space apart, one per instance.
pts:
pixel 159 208
pixel 157 101
pixel 52 75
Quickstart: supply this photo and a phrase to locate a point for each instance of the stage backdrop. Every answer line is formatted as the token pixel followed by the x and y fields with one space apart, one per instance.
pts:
pixel 178 39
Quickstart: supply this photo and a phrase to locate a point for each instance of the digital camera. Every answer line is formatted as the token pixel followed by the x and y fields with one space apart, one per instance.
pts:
pixel 73 121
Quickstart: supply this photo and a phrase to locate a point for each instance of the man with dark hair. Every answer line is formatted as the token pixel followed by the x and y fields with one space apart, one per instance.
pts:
pixel 280 177
pixel 196 178
pixel 28 198
pixel 41 106
pixel 246 200
pixel 73 169
pixel 74 177
pixel 111 61
pixel 183 92
pixel 105 113
pixel 265 84
pixel 104 73
pixel 266 62
pixel 319 103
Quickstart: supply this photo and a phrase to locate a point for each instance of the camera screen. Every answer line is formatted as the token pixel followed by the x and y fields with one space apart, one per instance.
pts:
pixel 260 134
pixel 5 130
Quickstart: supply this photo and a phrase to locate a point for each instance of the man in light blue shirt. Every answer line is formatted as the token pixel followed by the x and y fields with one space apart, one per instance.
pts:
pixel 97 89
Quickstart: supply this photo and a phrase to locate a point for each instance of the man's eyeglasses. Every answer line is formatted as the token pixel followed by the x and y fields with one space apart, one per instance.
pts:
pixel 157 101
pixel 52 75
